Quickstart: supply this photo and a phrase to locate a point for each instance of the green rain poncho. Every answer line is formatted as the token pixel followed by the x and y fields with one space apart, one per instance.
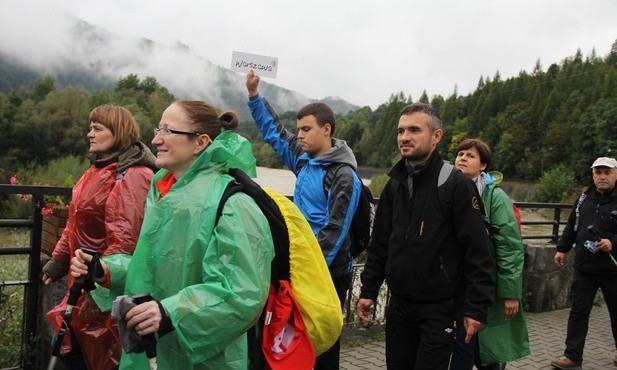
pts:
pixel 504 340
pixel 213 280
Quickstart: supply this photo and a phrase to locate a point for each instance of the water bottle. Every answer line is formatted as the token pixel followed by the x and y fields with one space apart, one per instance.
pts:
pixel 591 246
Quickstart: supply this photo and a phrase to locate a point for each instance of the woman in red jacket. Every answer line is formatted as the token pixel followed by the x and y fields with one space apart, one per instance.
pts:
pixel 105 215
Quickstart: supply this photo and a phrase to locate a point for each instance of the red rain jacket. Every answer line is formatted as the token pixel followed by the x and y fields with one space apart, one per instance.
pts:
pixel 105 214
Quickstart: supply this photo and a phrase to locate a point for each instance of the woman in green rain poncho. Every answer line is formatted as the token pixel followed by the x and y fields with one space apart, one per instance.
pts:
pixel 505 337
pixel 209 282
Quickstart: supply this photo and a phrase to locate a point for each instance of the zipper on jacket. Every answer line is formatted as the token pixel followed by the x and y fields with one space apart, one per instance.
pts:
pixel 442 267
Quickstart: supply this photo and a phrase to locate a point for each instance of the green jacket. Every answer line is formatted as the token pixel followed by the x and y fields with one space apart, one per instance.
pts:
pixel 504 340
pixel 213 280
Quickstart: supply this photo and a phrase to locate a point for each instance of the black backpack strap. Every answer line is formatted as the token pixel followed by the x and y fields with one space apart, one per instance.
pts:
pixel 254 338
pixel 230 190
pixel 278 227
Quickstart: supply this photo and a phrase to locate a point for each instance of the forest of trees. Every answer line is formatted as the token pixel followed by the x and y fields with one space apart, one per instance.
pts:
pixel 566 114
pixel 563 115
pixel 46 123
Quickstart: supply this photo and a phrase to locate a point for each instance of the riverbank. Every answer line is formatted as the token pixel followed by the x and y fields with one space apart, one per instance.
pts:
pixel 283 180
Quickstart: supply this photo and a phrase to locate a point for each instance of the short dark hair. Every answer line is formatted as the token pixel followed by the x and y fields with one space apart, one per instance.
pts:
pixel 322 113
pixel 486 155
pixel 424 108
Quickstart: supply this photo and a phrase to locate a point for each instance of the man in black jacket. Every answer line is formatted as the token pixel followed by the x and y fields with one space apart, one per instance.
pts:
pixel 592 227
pixel 429 255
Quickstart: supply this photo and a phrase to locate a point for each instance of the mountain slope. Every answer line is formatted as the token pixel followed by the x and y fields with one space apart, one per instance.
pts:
pixel 92 58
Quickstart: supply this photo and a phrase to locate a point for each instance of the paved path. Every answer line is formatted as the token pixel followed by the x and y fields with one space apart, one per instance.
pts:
pixel 547 332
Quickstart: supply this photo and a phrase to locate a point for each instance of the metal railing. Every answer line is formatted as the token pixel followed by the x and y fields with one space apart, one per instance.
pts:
pixel 31 292
pixel 559 219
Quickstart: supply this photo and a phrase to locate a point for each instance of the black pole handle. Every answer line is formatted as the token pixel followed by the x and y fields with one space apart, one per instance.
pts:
pixel 149 339
pixel 95 269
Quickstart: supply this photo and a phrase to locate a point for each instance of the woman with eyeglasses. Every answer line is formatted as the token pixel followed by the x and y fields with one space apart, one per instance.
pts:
pixel 209 282
pixel 105 215
pixel 505 337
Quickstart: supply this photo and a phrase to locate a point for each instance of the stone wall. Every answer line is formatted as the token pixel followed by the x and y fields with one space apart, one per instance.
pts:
pixel 545 286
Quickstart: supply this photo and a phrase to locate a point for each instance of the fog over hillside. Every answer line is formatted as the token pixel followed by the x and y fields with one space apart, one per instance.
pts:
pixel 361 51
pixel 76 52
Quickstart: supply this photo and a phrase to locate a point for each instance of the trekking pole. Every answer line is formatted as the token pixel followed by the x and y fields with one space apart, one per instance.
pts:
pixel 612 258
pixel 614 219
pixel 74 293
pixel 149 340
pixel 83 282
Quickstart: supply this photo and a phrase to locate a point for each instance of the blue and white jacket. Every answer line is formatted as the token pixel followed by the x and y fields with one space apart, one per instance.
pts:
pixel 328 212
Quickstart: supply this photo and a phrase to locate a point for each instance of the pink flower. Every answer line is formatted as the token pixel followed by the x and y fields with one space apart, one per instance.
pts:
pixel 24 197
pixel 46 211
pixel 51 201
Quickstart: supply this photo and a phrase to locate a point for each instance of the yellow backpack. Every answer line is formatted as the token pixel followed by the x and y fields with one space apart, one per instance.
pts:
pixel 310 278
pixel 298 259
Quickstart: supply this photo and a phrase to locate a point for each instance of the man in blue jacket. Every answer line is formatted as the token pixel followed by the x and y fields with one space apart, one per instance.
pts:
pixel 592 228
pixel 437 260
pixel 312 155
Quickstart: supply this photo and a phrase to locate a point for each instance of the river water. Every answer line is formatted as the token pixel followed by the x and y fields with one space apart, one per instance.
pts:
pixel 281 180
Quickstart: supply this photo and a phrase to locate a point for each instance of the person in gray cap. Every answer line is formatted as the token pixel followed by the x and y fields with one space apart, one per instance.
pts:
pixel 592 228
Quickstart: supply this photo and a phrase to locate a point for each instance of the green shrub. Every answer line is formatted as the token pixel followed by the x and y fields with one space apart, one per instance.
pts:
pixel 13 267
pixel 265 155
pixel 59 172
pixel 12 207
pixel 377 184
pixel 520 191
pixel 555 185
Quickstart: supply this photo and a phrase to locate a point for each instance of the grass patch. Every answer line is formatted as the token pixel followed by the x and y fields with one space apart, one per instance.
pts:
pixel 11 297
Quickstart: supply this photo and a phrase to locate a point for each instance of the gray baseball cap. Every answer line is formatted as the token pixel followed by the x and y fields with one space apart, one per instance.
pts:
pixel 605 162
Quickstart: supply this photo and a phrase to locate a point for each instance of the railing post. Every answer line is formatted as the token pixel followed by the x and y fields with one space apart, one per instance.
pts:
pixel 557 219
pixel 31 347
pixel 33 299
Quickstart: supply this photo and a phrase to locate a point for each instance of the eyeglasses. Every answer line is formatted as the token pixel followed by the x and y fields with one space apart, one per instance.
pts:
pixel 166 132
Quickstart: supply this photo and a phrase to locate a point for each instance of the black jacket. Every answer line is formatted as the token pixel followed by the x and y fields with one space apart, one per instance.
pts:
pixel 595 210
pixel 422 253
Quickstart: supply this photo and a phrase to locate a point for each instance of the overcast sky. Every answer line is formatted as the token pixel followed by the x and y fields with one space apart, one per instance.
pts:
pixel 359 50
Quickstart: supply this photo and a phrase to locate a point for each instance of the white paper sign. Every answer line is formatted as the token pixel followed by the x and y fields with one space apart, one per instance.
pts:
pixel 262 65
